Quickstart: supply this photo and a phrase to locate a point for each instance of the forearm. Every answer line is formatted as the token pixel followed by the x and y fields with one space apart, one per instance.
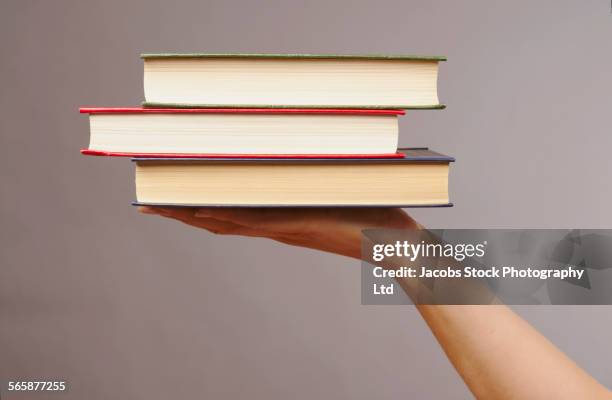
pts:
pixel 500 356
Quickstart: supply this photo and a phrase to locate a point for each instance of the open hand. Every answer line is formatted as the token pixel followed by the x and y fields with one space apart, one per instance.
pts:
pixel 335 230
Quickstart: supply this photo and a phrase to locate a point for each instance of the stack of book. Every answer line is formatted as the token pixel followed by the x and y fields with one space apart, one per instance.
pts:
pixel 265 130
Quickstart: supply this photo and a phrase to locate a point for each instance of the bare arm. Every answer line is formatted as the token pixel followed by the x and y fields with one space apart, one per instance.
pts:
pixel 498 354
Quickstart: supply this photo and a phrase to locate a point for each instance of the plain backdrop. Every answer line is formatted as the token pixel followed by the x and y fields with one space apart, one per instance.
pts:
pixel 123 305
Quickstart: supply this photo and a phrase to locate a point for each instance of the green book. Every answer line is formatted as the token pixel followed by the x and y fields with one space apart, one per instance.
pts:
pixel 210 80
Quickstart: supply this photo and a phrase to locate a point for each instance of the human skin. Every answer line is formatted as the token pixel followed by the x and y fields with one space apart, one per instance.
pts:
pixel 497 354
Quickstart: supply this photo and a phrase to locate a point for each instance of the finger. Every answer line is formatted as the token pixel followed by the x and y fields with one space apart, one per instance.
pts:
pixel 171 212
pixel 246 215
pixel 214 226
pixel 147 210
pixel 186 215
pixel 277 220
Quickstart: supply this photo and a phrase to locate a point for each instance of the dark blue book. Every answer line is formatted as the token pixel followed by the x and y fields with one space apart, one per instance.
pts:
pixel 418 179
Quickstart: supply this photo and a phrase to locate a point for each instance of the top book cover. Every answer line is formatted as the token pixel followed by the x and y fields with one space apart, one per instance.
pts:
pixel 368 81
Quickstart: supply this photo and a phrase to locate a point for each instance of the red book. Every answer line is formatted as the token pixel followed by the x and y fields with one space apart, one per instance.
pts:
pixel 243 132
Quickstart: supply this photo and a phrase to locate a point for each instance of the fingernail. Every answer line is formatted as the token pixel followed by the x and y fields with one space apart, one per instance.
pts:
pixel 146 210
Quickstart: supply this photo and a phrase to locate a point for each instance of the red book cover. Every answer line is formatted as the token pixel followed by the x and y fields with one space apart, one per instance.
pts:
pixel 140 110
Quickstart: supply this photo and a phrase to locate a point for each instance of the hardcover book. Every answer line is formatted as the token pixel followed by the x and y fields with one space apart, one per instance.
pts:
pixel 271 132
pixel 291 81
pixel 418 178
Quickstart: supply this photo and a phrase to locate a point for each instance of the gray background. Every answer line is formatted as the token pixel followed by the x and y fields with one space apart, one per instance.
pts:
pixel 134 306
